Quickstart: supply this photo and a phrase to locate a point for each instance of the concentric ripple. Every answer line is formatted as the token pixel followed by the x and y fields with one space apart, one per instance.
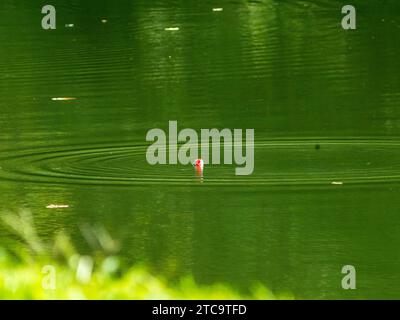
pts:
pixel 278 162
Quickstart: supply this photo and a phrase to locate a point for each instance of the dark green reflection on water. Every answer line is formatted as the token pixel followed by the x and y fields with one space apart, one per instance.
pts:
pixel 284 68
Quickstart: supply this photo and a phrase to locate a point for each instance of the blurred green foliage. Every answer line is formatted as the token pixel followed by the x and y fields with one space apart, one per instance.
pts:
pixel 24 271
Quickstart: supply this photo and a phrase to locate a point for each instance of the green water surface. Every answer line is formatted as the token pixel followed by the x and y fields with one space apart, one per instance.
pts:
pixel 324 103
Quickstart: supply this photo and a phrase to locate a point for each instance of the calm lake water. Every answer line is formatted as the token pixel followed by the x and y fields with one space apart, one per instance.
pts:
pixel 324 104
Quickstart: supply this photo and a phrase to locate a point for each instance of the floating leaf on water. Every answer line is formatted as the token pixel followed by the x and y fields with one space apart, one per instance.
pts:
pixel 57 206
pixel 172 29
pixel 63 98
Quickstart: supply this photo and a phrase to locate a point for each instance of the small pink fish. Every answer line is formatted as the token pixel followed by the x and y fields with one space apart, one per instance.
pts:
pixel 199 165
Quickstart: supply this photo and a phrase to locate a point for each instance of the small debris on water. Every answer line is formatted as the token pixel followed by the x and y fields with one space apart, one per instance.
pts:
pixel 337 182
pixel 69 25
pixel 218 9
pixel 57 206
pixel 172 29
pixel 63 98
